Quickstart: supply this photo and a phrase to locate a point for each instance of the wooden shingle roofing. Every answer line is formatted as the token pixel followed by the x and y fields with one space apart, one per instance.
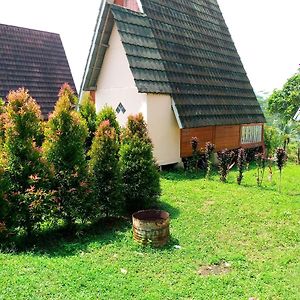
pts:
pixel 35 60
pixel 184 48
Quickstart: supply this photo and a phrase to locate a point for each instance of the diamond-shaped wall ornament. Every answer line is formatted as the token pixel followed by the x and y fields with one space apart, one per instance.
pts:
pixel 120 108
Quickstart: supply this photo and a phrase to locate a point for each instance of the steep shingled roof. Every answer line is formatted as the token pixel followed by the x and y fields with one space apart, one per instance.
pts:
pixel 35 60
pixel 184 48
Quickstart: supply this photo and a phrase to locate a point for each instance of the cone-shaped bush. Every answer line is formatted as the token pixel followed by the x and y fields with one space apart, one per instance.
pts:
pixel 25 168
pixel 140 177
pixel 104 168
pixel 108 113
pixel 87 110
pixel 64 148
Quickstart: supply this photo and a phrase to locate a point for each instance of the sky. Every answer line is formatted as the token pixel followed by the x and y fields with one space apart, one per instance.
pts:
pixel 265 32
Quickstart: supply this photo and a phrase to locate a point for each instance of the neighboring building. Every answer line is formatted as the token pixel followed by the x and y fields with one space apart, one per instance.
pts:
pixel 297 115
pixel 175 62
pixel 35 60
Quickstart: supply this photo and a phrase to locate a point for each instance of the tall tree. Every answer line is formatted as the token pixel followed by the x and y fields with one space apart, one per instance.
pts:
pixel 286 101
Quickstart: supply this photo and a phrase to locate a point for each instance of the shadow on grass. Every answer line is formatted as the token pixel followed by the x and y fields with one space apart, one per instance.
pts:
pixel 61 242
pixel 173 211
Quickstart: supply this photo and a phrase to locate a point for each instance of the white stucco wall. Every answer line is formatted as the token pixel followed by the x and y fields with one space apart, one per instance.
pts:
pixel 116 84
pixel 163 129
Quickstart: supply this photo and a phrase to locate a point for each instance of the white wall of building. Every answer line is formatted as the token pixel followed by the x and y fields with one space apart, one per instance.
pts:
pixel 116 85
pixel 163 129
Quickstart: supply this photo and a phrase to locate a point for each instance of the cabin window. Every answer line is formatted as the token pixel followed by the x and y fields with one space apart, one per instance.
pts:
pixel 120 108
pixel 251 134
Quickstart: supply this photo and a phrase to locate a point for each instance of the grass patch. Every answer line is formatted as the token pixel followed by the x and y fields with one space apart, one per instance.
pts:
pixel 253 231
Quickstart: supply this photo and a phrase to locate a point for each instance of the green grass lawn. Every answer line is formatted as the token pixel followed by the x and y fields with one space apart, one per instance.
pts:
pixel 256 231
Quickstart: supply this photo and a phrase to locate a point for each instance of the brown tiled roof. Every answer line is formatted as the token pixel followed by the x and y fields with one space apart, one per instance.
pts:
pixel 35 60
pixel 183 48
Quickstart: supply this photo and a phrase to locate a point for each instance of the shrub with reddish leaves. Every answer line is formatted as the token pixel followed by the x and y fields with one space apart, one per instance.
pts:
pixel 24 167
pixel 209 152
pixel 241 164
pixel 281 158
pixel 225 158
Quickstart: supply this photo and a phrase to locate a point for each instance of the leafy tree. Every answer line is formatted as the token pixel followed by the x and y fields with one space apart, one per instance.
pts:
pixel 87 110
pixel 286 101
pixel 64 148
pixel 26 171
pixel 141 185
pixel 273 139
pixel 108 113
pixel 104 167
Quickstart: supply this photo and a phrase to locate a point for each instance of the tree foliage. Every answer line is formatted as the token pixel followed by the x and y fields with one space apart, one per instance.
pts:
pixel 87 110
pixel 26 171
pixel 108 113
pixel 286 101
pixel 140 177
pixel 64 148
pixel 104 167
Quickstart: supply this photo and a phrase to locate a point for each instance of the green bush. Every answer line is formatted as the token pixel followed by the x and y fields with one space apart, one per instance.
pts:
pixel 140 177
pixel 26 171
pixel 87 110
pixel 64 148
pixel 108 113
pixel 104 167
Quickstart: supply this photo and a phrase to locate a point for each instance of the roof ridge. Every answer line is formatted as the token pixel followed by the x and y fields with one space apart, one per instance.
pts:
pixel 29 29
pixel 138 13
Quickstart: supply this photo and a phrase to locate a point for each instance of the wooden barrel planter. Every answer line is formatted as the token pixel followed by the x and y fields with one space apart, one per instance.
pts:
pixel 151 227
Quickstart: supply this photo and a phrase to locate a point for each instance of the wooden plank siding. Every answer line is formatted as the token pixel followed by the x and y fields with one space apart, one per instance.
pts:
pixel 222 136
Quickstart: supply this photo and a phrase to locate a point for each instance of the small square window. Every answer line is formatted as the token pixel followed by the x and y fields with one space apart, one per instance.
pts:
pixel 120 108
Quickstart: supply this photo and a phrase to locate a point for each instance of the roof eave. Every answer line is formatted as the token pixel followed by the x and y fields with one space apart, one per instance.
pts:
pixel 98 47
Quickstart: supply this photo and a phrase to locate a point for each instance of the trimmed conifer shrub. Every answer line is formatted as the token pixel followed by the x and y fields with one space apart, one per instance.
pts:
pixel 140 177
pixel 108 113
pixel 28 201
pixel 64 149
pixel 104 168
pixel 87 110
